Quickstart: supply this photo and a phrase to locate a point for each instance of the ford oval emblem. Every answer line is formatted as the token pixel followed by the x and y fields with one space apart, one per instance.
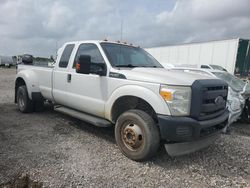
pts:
pixel 219 100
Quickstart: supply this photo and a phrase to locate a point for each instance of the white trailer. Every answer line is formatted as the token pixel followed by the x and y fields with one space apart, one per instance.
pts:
pixel 233 54
pixel 6 61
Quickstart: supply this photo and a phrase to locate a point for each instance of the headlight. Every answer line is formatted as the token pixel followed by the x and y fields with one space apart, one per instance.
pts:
pixel 178 99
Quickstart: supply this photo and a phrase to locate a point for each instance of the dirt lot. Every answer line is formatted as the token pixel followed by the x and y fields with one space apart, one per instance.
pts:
pixel 60 151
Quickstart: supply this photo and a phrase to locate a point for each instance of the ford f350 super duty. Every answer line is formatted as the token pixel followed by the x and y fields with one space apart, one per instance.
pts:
pixel 115 84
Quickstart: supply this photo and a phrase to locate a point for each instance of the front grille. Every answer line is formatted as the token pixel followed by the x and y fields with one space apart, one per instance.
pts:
pixel 208 99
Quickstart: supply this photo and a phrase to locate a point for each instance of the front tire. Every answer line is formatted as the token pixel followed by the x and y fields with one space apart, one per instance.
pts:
pixel 137 135
pixel 24 103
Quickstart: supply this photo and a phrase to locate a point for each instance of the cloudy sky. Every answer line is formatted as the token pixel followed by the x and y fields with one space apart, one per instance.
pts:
pixel 39 27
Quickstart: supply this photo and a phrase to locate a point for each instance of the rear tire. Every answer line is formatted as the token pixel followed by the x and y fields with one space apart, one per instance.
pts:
pixel 137 135
pixel 24 103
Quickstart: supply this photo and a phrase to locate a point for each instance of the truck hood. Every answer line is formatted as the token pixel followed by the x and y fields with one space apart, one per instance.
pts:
pixel 162 76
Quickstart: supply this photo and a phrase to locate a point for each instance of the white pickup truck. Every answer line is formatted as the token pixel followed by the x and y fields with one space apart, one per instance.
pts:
pixel 113 84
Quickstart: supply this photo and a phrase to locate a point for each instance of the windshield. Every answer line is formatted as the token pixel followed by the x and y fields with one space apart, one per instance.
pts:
pixel 235 83
pixel 128 56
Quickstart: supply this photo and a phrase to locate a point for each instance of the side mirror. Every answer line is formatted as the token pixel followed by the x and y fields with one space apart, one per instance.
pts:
pixel 98 68
pixel 84 66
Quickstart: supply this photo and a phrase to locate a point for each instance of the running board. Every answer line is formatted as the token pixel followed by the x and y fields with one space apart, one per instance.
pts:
pixel 99 122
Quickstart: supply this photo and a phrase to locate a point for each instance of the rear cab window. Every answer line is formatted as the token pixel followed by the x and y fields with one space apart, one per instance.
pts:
pixel 64 61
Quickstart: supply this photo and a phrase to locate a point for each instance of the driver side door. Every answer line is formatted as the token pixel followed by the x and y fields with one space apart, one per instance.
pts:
pixel 88 91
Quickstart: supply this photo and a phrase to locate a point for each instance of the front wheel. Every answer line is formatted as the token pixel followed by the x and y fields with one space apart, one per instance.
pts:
pixel 24 103
pixel 136 135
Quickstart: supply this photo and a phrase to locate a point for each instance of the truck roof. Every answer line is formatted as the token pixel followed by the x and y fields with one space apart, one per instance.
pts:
pixel 101 41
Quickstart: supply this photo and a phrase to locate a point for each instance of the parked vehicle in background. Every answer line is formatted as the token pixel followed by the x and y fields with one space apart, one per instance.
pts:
pixel 233 55
pixel 7 61
pixel 213 67
pixel 238 92
pixel 113 84
pixel 242 87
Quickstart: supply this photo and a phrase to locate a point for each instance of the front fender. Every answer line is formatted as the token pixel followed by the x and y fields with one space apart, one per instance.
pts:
pixel 156 101
pixel 31 81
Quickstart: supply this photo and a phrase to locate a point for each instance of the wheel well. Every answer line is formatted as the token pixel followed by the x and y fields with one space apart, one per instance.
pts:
pixel 126 103
pixel 19 82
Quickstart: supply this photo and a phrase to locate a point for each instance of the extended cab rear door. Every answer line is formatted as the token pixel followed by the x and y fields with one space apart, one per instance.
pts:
pixel 60 75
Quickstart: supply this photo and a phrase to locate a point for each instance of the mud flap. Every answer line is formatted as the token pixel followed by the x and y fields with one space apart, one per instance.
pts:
pixel 178 149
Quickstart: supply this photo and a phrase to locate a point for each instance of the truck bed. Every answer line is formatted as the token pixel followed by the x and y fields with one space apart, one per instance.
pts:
pixel 44 76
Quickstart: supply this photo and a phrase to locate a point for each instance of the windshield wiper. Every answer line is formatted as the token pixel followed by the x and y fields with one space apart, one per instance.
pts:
pixel 128 65
pixel 133 66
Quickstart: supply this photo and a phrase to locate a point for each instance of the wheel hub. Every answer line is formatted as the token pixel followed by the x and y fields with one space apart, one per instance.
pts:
pixel 132 136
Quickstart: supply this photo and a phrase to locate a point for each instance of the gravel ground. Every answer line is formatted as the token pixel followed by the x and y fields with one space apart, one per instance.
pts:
pixel 60 151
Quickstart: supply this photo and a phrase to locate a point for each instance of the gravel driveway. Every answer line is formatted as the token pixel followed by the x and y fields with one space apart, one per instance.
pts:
pixel 60 151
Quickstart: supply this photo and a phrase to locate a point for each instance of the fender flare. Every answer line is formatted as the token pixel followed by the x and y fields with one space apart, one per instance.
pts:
pixel 154 100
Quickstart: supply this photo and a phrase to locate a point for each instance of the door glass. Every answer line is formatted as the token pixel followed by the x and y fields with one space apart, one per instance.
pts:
pixel 91 50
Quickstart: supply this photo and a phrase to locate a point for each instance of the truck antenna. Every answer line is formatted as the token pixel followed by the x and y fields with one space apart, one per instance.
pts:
pixel 121 29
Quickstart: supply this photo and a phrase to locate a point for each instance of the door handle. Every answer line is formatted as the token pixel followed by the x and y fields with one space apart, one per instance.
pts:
pixel 69 78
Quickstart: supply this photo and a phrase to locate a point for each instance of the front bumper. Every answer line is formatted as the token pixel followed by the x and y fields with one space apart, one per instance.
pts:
pixel 187 129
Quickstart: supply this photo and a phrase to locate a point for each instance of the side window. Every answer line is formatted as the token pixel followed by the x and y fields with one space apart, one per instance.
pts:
pixel 205 67
pixel 89 49
pixel 66 55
